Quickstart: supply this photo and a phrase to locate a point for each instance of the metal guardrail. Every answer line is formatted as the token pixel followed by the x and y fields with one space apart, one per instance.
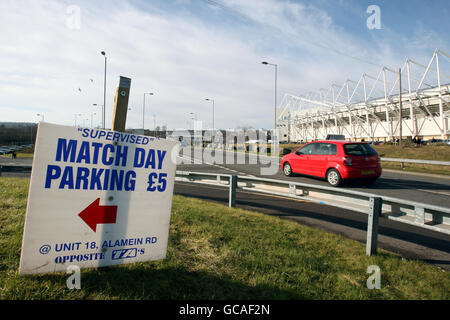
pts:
pixel 14 168
pixel 422 215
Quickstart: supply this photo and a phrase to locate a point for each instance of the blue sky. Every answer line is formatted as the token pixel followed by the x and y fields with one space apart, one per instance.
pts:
pixel 188 50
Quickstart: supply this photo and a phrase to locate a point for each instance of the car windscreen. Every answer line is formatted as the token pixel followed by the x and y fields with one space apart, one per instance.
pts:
pixel 359 149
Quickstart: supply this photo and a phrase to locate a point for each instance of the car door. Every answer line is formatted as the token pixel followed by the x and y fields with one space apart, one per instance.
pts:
pixel 300 161
pixel 318 157
pixel 315 159
pixel 320 161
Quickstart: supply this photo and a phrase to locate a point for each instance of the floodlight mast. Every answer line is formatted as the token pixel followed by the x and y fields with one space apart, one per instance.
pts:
pixel 104 92
pixel 143 110
pixel 207 99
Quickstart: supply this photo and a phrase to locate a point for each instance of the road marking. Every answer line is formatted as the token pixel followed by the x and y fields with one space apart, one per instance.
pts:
pixel 215 165
pixel 437 192
pixel 274 196
pixel 9 163
pixel 424 190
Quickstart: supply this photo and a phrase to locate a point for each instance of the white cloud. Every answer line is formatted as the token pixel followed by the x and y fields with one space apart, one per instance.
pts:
pixel 181 61
pixel 181 57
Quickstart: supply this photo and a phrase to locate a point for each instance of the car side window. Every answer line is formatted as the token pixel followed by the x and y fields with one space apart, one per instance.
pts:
pixel 318 149
pixel 328 149
pixel 308 149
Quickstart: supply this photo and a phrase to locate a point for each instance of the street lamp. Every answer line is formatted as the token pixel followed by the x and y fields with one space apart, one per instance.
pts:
pixel 193 118
pixel 207 99
pixel 92 115
pixel 143 110
pixel 97 105
pixel 275 116
pixel 104 91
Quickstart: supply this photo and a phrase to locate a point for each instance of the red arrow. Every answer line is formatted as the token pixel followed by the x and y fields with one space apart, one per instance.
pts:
pixel 95 214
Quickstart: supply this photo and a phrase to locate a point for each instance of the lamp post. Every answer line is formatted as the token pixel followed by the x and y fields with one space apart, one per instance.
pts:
pixel 104 92
pixel 194 117
pixel 92 116
pixel 143 110
pixel 207 99
pixel 97 105
pixel 275 115
pixel 76 115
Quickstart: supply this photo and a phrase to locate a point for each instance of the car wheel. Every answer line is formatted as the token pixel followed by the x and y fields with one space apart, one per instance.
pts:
pixel 287 170
pixel 334 178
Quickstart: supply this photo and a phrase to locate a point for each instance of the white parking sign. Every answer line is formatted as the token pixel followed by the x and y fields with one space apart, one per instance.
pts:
pixel 97 198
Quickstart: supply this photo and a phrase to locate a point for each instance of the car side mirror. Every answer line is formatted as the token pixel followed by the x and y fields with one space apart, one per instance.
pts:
pixel 286 151
pixel 299 153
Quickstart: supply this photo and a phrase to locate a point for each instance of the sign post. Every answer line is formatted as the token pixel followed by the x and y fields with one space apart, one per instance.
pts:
pixel 97 198
pixel 121 104
pixel 375 206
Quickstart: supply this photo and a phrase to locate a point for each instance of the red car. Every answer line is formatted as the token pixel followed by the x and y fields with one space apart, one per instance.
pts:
pixel 335 161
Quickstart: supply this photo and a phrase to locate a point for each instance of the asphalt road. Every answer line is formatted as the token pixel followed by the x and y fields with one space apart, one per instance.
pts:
pixel 430 189
pixel 8 161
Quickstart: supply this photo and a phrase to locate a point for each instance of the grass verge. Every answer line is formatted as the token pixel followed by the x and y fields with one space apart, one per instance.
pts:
pixel 216 252
pixel 24 153
pixel 439 152
pixel 417 167
pixel 428 152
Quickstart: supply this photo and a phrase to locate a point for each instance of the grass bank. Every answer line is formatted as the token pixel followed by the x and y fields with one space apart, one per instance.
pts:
pixel 216 252
pixel 24 153
pixel 437 152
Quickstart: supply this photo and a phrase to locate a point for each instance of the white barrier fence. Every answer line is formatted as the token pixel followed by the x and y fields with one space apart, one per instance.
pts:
pixel 435 162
